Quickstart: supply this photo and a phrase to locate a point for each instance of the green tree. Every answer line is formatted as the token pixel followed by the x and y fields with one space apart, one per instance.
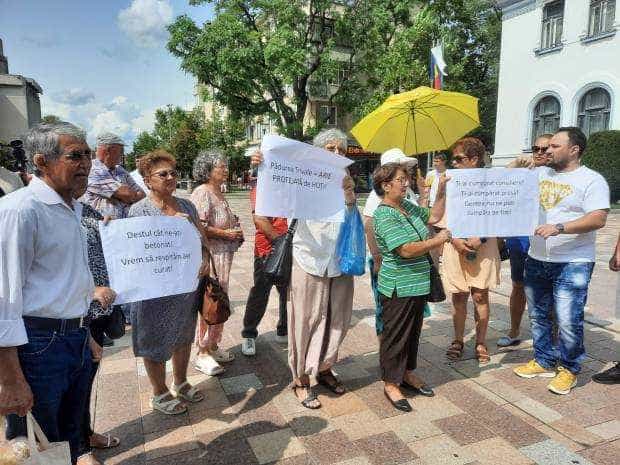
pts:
pixel 50 119
pixel 144 143
pixel 268 57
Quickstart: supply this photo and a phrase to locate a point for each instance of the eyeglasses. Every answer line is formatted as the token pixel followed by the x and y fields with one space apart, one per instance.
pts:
pixel 459 158
pixel 402 181
pixel 539 149
pixel 335 148
pixel 166 174
pixel 77 156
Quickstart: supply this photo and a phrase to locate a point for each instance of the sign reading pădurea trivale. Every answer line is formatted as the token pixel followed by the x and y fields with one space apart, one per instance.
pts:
pixel 151 256
pixel 298 180
pixel 492 202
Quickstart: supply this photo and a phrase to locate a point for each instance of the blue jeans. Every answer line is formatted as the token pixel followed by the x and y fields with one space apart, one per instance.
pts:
pixel 57 366
pixel 563 288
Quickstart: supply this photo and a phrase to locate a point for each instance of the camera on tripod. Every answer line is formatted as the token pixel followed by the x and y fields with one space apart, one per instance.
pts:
pixel 17 159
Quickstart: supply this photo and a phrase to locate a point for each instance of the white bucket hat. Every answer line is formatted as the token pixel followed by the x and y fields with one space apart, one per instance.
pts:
pixel 396 155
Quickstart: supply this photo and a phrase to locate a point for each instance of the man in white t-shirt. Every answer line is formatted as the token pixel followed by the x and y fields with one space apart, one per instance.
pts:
pixel 574 202
pixel 394 155
pixel 440 165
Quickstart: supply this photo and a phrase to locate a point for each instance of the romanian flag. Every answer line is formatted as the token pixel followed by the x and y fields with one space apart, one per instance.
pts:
pixel 437 67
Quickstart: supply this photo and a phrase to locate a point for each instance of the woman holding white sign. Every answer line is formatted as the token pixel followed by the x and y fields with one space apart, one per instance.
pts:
pixel 321 296
pixel 404 281
pixel 470 266
pixel 163 328
pixel 225 237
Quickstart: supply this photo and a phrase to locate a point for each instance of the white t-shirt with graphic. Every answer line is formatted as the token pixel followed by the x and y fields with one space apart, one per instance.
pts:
pixel 566 197
pixel 373 201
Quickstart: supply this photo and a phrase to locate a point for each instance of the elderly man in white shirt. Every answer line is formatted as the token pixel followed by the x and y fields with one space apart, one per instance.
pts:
pixel 45 290
pixel 321 296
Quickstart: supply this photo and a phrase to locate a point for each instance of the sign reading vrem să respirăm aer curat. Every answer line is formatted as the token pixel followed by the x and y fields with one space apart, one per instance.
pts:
pixel 495 202
pixel 151 256
pixel 298 180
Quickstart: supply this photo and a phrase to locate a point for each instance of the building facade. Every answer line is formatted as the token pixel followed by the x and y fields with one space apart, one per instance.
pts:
pixel 559 67
pixel 20 108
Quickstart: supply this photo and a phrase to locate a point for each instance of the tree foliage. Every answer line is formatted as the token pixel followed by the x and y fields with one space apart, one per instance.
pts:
pixel 603 155
pixel 268 57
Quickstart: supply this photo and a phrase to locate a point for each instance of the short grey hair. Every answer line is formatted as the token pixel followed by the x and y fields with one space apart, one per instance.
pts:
pixel 109 138
pixel 205 162
pixel 330 135
pixel 44 139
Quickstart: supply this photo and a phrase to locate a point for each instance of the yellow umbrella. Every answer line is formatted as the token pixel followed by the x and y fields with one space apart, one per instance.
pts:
pixel 418 121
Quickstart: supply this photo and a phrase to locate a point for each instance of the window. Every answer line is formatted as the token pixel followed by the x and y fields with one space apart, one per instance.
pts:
pixel 594 110
pixel 328 115
pixel 546 118
pixel 341 74
pixel 602 15
pixel 553 16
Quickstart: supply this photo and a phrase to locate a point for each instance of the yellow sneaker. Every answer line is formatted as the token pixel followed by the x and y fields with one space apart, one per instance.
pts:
pixel 532 369
pixel 563 382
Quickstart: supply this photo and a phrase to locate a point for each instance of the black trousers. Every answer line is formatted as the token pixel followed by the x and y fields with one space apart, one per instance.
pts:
pixel 257 302
pixel 402 325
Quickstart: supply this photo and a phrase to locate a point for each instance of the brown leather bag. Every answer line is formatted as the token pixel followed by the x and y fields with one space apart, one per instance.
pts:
pixel 213 302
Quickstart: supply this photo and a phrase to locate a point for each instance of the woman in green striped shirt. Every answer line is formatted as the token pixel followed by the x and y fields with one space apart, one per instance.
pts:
pixel 404 277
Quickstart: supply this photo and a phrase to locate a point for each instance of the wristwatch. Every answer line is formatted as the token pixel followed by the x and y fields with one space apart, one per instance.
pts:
pixel 560 228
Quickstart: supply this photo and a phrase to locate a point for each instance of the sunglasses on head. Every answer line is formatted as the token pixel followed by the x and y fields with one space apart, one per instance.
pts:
pixel 539 149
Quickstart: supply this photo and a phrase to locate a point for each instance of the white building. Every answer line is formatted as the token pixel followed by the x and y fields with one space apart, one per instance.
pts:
pixel 20 108
pixel 559 66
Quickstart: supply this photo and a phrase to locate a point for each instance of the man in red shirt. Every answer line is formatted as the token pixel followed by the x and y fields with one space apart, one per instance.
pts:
pixel 267 229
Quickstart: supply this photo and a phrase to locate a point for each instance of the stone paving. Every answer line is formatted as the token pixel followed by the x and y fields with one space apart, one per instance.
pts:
pixel 480 415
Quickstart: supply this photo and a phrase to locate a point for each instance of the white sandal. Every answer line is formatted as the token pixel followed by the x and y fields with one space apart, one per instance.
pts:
pixel 167 407
pixel 192 395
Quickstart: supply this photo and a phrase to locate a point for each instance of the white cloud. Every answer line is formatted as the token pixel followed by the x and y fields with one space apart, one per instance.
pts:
pixel 145 21
pixel 119 100
pixel 144 122
pixel 76 96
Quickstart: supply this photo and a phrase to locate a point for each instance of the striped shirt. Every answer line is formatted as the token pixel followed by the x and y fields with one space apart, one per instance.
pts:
pixel 408 276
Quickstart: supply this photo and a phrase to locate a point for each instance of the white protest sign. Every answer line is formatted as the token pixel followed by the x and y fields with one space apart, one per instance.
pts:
pixel 151 256
pixel 298 180
pixel 495 202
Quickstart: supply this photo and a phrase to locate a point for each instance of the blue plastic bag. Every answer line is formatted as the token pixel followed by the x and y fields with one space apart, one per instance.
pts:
pixel 351 244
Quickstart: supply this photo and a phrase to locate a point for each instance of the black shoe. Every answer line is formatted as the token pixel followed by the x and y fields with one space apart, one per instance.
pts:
pixel 107 342
pixel 610 376
pixel 402 404
pixel 423 390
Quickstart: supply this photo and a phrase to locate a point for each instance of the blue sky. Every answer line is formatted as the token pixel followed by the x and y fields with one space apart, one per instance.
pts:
pixel 102 64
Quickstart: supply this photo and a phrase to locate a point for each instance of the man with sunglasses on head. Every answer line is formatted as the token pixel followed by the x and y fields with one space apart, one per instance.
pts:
pixel 45 290
pixel 111 189
pixel 574 203
pixel 517 249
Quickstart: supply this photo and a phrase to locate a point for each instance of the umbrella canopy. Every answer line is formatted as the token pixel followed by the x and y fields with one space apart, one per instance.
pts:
pixel 418 121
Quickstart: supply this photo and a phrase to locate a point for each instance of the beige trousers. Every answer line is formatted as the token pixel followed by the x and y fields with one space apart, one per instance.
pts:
pixel 318 321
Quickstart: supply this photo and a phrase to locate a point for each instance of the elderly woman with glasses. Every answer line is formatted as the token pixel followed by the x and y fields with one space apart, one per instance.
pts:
pixel 404 278
pixel 321 296
pixel 470 266
pixel 163 327
pixel 225 237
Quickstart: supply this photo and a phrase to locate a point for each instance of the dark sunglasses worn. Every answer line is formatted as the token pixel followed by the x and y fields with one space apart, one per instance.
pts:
pixel 539 149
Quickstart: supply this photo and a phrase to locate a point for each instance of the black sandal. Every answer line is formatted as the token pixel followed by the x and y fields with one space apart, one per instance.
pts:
pixel 311 397
pixel 329 380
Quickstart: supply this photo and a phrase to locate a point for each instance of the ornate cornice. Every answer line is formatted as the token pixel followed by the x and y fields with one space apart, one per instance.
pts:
pixel 514 8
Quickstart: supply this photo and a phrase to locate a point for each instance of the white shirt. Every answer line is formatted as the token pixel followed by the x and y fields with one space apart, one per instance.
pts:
pixel 43 260
pixel 135 174
pixel 314 247
pixel 373 201
pixel 432 181
pixel 9 181
pixel 566 197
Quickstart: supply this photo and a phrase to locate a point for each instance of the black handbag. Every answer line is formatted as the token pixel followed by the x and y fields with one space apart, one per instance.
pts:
pixel 279 262
pixel 115 329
